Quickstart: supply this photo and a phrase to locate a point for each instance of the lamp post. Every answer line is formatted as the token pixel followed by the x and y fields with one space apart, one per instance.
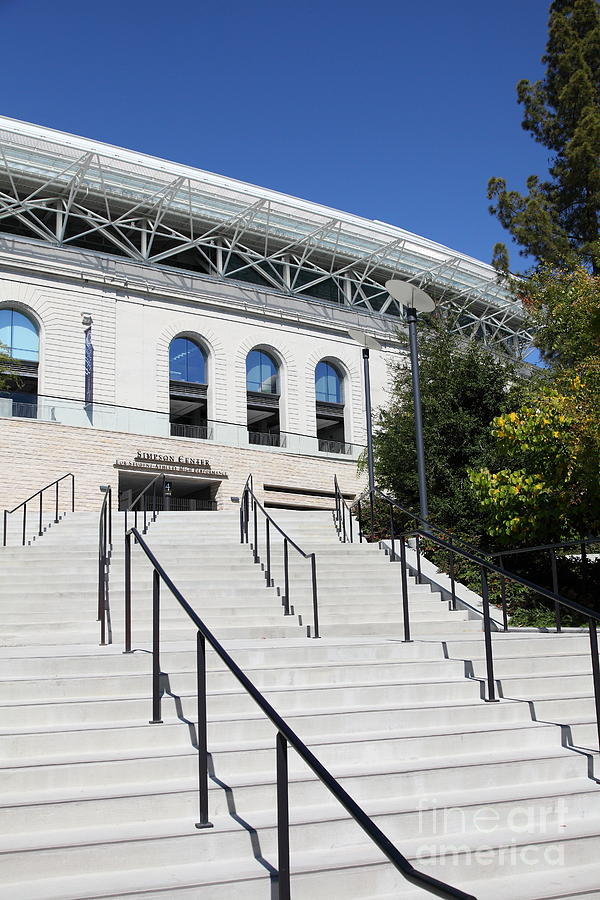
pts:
pixel 367 342
pixel 415 300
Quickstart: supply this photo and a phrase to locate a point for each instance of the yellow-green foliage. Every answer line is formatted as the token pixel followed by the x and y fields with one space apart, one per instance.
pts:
pixel 553 489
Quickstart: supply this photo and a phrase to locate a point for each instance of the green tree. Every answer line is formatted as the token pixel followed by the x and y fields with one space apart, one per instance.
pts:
pixel 463 387
pixel 5 379
pixel 549 488
pixel 557 220
pixel 564 308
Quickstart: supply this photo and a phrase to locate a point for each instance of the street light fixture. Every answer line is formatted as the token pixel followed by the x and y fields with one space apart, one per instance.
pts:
pixel 367 342
pixel 415 300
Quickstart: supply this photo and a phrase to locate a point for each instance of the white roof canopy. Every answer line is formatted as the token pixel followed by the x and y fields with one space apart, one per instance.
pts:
pixel 68 190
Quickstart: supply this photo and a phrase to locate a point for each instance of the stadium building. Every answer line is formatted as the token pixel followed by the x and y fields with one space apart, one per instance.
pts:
pixel 162 318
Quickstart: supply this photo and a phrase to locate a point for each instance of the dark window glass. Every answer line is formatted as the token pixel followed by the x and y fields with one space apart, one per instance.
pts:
pixel 328 384
pixel 261 373
pixel 187 362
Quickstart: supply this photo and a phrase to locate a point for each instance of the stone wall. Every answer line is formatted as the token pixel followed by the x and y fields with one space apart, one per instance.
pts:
pixel 34 453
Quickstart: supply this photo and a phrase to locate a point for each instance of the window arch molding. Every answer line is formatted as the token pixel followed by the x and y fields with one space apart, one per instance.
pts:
pixel 198 342
pixel 278 399
pixel 216 364
pixel 330 381
pixel 29 313
pixel 349 370
pixel 286 360
pixel 262 366
pixel 21 330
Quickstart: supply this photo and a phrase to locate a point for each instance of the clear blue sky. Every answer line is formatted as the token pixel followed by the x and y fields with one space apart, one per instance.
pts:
pixel 397 111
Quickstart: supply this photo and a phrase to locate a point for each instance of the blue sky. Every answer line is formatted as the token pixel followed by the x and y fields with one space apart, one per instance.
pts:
pixel 398 111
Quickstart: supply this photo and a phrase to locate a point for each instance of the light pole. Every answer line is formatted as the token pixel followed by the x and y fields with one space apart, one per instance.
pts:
pixel 367 342
pixel 415 300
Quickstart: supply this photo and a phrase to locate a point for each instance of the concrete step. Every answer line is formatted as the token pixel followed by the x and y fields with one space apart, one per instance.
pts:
pixel 97 800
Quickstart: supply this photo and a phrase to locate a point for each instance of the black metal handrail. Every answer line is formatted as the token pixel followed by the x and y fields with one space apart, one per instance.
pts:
pixel 341 512
pixel 422 524
pixel 250 504
pixel 104 555
pixel 582 542
pixel 142 500
pixel 284 736
pixel 551 550
pixel 485 554
pixel 487 567
pixel 40 494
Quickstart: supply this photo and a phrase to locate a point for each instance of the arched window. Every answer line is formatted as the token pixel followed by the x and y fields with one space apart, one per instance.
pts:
pixel 187 361
pixel 328 383
pixel 19 340
pixel 261 373
pixel 188 412
pixel 19 335
pixel 262 387
pixel 329 395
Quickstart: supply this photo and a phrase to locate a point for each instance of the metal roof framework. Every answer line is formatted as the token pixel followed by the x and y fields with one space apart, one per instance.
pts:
pixel 69 191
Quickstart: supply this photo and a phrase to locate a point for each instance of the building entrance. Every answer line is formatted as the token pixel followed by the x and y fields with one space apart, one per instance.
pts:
pixel 182 493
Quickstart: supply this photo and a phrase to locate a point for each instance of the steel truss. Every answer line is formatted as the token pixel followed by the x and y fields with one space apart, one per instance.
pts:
pixel 168 215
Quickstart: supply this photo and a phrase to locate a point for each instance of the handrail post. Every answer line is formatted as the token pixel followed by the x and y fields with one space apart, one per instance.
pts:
pixel 360 531
pixel 99 609
pixel 127 592
pixel 418 544
pixel 336 500
pixel 313 565
pixel 503 594
pixel 371 504
pixel 286 579
pixel 268 543
pixel 24 521
pixel 72 493
pixel 40 532
pixel 405 605
pixel 201 734
pixel 595 671
pixel 283 820
pixel 101 575
pixel 489 659
pixel 452 577
pixel 246 515
pixel 56 505
pixel 351 528
pixel 156 693
pixel 255 545
pixel 110 517
pixel 392 534
pixel 145 531
pixel 555 589
pixel 5 524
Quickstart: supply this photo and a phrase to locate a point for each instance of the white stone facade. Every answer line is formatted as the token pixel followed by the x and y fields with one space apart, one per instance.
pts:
pixel 131 331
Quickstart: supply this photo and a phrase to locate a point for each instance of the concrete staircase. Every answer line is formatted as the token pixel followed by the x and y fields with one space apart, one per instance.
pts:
pixel 497 799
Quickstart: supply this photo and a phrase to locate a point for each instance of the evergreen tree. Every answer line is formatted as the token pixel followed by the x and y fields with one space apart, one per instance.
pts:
pixel 557 220
pixel 463 386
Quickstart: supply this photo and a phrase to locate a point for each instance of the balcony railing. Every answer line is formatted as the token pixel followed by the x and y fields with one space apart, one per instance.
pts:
pixel 264 439
pixel 198 432
pixel 24 410
pixel 334 447
pixel 148 422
